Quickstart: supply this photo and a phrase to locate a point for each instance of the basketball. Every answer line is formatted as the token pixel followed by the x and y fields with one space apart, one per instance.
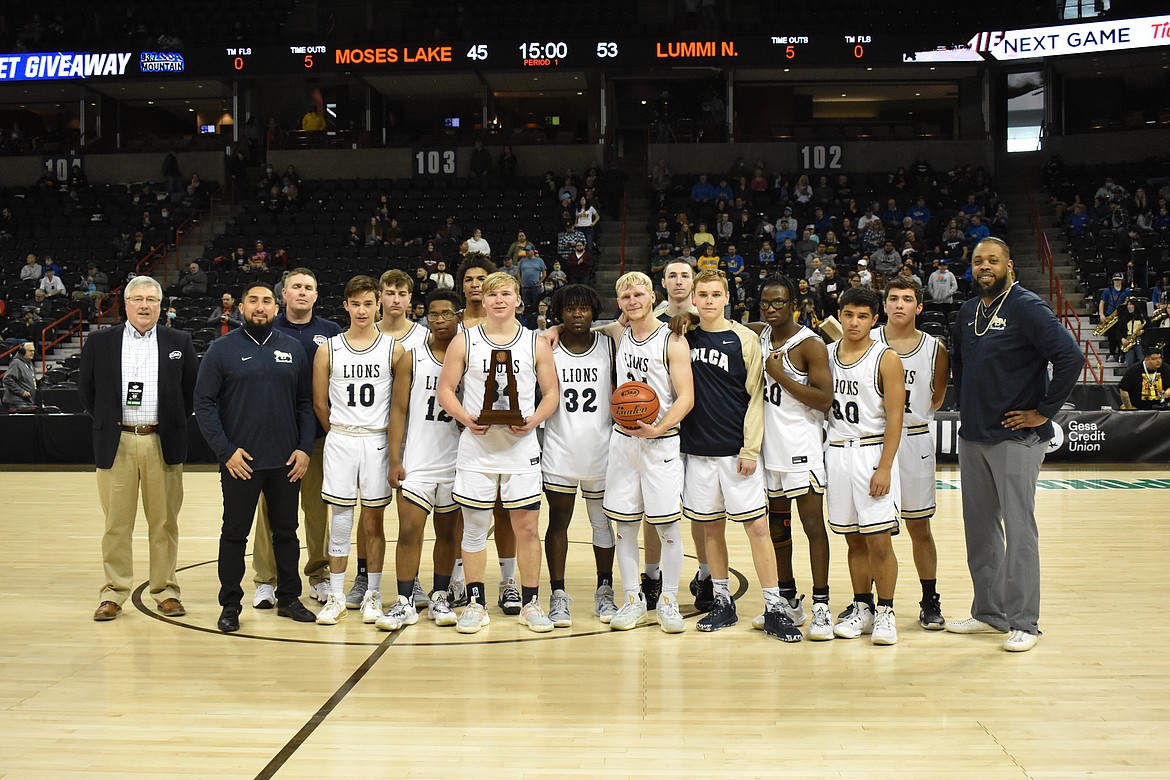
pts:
pixel 633 401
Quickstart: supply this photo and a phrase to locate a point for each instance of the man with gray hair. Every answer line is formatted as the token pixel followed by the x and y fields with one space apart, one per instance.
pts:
pixel 137 381
pixel 20 380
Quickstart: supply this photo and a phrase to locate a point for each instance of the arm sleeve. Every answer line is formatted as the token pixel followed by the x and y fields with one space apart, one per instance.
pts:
pixel 1057 345
pixel 206 399
pixel 753 422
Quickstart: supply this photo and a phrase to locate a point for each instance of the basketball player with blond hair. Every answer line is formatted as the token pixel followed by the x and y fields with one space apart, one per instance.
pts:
pixel 499 460
pixel 644 474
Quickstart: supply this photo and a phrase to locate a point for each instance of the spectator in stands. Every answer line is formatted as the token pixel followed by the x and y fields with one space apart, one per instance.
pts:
pixel 864 275
pixel 703 236
pixel 51 284
pixel 579 264
pixel 569 237
pixel 520 244
pixel 684 235
pixel 919 215
pixel 92 287
pixel 430 257
pixel 976 230
pixel 819 256
pixel 807 245
pixel 587 219
pixel 709 259
pixel 477 243
pixel 892 215
pixel 733 262
pixel 258 260
pixel 702 193
pixel 192 283
pixel 312 121
pixel 27 328
pixel 886 260
pixel 830 291
pixel 442 279
pixel 942 285
pixel 788 259
pixel 532 273
pixel 868 218
pixel 766 257
pixel 1110 190
pixel 786 226
pixel 1161 223
pixel 481 165
pixel 568 188
pixel 47 262
pixel 802 193
pixel 724 229
pixel 373 232
pixel 557 276
pixel 20 380
pixel 507 164
pixel 510 268
pixel 1146 385
pixel 424 285
pixel 817 274
pixel 971 208
pixel 31 271
pixel 7 225
pixel 225 317
pixel 659 259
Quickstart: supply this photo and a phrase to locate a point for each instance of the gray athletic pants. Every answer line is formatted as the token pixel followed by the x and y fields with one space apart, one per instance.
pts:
pixel 999 517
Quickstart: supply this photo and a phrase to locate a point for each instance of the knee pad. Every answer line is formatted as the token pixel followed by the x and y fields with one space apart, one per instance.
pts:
pixel 780 528
pixel 340 531
pixel 476 523
pixel 601 525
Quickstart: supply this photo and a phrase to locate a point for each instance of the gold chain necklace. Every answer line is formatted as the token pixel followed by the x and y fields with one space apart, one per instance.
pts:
pixel 982 308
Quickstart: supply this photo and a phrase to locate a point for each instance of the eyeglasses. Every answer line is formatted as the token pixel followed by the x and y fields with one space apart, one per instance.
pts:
pixel 777 304
pixel 442 316
pixel 138 300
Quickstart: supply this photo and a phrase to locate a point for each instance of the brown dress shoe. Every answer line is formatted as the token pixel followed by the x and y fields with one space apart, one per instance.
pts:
pixel 172 608
pixel 108 610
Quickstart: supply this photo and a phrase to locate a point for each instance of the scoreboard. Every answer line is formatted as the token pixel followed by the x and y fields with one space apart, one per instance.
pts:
pixel 775 48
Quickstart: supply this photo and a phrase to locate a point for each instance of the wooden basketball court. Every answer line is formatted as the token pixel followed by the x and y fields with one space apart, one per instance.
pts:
pixel 148 696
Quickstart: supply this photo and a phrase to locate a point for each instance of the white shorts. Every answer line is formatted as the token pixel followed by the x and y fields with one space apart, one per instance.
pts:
pixel 590 488
pixel 479 489
pixel 643 477
pixel 916 456
pixel 715 490
pixel 352 465
pixel 430 496
pixel 794 484
pixel 850 508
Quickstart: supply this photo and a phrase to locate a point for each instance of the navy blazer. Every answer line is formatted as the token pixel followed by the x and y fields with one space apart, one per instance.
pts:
pixel 101 389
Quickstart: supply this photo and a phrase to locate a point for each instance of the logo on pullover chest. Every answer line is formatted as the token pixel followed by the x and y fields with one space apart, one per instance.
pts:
pixel 282 357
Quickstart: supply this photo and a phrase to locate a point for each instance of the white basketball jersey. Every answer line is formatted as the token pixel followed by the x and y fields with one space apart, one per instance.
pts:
pixel 792 431
pixel 576 437
pixel 432 435
pixel 918 365
pixel 499 450
pixel 646 361
pixel 857 411
pixel 415 337
pixel 360 383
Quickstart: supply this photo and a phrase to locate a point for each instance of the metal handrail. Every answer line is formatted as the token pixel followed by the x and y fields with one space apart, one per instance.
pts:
pixel 79 329
pixel 1097 373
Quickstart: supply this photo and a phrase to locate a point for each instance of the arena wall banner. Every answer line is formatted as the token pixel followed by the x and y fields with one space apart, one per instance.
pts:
pixel 1104 436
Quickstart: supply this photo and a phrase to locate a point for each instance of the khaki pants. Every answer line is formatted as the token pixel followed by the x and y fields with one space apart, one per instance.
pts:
pixel 315 525
pixel 139 468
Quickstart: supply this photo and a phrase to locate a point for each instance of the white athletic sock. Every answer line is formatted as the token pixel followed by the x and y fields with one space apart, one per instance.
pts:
pixel 652 570
pixel 704 571
pixel 337 583
pixel 771 598
pixel 375 580
pixel 722 588
pixel 507 569
pixel 626 552
pixel 672 557
pixel 457 572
